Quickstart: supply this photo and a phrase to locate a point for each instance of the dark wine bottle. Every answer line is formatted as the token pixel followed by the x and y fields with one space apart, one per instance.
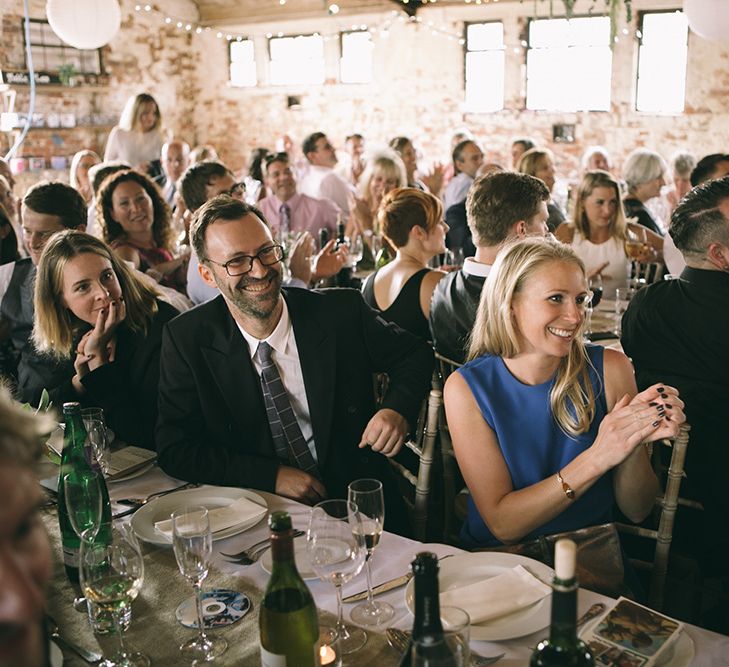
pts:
pixel 563 648
pixel 77 458
pixel 288 621
pixel 344 277
pixel 427 627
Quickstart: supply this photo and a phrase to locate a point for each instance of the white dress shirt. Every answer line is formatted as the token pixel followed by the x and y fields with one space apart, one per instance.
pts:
pixel 457 190
pixel 285 354
pixel 324 183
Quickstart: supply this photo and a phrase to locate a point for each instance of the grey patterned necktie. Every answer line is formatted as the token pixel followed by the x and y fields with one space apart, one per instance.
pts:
pixel 284 225
pixel 285 431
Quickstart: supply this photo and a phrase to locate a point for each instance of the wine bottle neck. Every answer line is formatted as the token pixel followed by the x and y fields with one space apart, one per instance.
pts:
pixel 282 548
pixel 564 612
pixel 427 608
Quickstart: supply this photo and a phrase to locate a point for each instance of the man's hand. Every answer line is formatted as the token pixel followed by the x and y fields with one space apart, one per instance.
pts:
pixel 385 432
pixel 299 485
pixel 329 261
pixel 300 259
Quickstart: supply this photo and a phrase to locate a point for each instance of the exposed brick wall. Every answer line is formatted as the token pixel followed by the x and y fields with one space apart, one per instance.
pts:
pixel 146 55
pixel 418 90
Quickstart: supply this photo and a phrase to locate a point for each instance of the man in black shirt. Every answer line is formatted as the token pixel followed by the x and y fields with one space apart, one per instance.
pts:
pixel 677 331
pixel 500 207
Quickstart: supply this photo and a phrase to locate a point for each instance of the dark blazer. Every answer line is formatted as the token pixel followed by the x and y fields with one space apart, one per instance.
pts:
pixel 212 424
pixel 453 312
pixel 126 388
pixel 459 234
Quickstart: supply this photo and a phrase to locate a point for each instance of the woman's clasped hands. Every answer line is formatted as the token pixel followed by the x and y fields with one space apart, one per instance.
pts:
pixel 651 415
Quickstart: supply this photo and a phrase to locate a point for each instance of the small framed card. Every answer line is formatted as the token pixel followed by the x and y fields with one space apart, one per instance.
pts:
pixel 631 635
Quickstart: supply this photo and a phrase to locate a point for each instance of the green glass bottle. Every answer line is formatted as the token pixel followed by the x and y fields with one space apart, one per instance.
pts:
pixel 384 254
pixel 77 458
pixel 288 620
pixel 563 648
pixel 427 626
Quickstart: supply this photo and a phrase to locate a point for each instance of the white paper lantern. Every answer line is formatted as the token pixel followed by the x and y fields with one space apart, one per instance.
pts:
pixel 85 24
pixel 708 18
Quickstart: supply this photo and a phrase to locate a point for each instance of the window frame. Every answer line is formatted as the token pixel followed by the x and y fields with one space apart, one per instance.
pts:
pixel 230 61
pixel 56 48
pixel 529 47
pixel 315 33
pixel 342 33
pixel 641 15
pixel 466 51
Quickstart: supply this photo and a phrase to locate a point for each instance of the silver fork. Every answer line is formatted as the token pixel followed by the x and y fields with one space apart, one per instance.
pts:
pixel 253 553
pixel 400 641
pixel 138 502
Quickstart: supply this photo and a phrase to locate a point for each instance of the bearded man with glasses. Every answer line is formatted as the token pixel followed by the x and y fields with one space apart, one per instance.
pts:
pixel 271 388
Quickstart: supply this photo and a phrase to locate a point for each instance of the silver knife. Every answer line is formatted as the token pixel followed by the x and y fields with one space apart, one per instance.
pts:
pixel 381 588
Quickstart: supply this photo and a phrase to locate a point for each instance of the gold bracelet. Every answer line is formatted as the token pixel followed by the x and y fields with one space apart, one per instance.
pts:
pixel 566 488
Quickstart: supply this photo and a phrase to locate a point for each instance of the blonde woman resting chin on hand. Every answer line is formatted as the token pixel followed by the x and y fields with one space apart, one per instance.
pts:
pixel 547 430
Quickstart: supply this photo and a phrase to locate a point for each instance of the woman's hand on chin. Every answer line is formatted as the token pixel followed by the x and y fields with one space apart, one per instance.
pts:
pixel 98 343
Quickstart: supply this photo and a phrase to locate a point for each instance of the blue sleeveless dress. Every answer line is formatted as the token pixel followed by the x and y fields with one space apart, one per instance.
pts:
pixel 532 443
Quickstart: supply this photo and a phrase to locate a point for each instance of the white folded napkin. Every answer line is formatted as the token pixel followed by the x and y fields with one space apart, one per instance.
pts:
pixel 221 518
pixel 500 595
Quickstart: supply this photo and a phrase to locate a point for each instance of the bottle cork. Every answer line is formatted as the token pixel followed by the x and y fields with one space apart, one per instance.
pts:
pixel 565 558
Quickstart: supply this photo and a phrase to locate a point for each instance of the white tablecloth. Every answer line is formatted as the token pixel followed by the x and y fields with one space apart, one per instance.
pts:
pixel 392 559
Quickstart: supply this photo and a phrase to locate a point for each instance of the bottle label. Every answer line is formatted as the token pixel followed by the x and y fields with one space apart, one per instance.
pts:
pixel 70 557
pixel 271 659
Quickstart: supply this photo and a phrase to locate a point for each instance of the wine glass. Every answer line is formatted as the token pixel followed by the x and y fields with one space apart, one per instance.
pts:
pixel 367 495
pixel 595 285
pixel 635 245
pixel 337 555
pixel 193 545
pixel 83 498
pixel 111 575
pixel 356 250
pixel 98 437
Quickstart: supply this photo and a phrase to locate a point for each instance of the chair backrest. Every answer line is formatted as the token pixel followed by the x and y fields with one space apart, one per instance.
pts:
pixel 452 479
pixel 668 504
pixel 423 445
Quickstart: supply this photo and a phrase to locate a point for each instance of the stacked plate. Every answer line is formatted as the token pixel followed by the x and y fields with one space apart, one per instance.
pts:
pixel 211 497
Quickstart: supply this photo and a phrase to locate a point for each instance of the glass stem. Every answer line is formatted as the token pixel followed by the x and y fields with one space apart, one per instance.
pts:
pixel 198 606
pixel 122 657
pixel 341 628
pixel 370 596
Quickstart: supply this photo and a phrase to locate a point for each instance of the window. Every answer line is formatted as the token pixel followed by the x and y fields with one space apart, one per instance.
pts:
pixel 50 53
pixel 297 59
pixel 242 63
pixel 662 62
pixel 485 66
pixel 569 64
pixel 356 62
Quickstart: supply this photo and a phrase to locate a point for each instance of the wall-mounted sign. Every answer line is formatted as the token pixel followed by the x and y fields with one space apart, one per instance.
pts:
pixel 21 78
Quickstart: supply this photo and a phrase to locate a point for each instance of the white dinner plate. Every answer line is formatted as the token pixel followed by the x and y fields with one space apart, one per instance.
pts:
pixel 464 569
pixel 681 656
pixel 211 497
pixel 301 557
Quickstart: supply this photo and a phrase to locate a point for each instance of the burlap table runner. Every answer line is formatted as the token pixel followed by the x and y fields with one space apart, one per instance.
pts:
pixel 154 629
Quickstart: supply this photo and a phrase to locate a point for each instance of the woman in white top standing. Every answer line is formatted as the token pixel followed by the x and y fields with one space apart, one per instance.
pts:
pixel 598 231
pixel 138 138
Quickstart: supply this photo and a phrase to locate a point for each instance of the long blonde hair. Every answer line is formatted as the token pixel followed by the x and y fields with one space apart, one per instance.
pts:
pixel 572 398
pixel 590 181
pixel 55 327
pixel 129 119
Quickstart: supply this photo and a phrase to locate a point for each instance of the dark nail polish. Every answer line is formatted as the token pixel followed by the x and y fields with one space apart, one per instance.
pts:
pixel 660 390
pixel 668 405
pixel 653 404
pixel 656 423
pixel 664 396
pixel 668 419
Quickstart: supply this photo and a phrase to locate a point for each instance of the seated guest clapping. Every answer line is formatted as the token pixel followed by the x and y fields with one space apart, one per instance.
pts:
pixel 547 430
pixel 272 389
pixel 412 221
pixel 89 305
pixel 135 222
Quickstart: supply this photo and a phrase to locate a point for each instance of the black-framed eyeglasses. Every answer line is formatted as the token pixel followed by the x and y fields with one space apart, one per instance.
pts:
pixel 236 190
pixel 242 264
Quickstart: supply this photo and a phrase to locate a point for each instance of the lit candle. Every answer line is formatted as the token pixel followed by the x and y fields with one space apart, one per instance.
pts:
pixel 327 655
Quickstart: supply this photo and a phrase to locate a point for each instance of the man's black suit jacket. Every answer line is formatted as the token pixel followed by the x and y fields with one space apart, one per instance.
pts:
pixel 212 424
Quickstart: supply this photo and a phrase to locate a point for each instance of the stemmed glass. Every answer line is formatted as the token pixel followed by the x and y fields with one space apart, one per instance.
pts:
pixel 98 438
pixel 193 545
pixel 337 555
pixel 595 298
pixel 367 495
pixel 111 577
pixel 356 250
